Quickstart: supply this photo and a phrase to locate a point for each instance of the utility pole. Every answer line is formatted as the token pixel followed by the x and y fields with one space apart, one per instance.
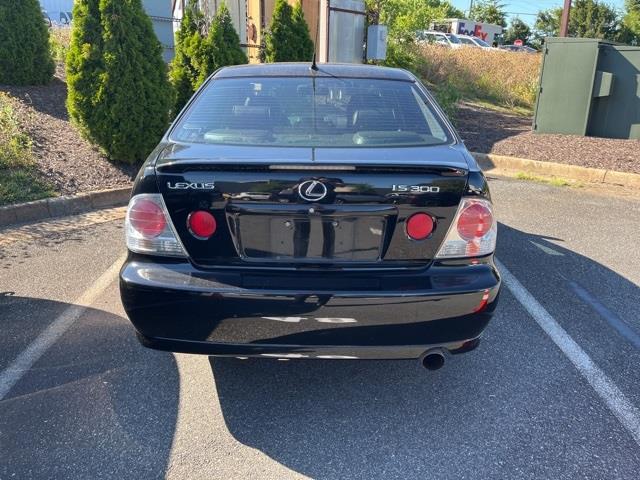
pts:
pixel 470 8
pixel 564 22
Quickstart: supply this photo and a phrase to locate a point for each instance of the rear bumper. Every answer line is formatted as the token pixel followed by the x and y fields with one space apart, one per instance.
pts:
pixel 308 314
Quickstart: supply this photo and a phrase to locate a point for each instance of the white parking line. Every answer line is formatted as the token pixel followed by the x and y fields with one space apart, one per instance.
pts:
pixel 28 357
pixel 619 405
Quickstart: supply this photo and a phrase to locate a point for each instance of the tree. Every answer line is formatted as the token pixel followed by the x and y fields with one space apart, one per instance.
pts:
pixel 306 47
pixel 123 80
pixel 84 65
pixel 593 19
pixel 631 23
pixel 222 45
pixel 184 74
pixel 280 43
pixel 489 11
pixel 406 17
pixel 517 31
pixel 588 19
pixel 547 24
pixel 25 58
pixel 199 54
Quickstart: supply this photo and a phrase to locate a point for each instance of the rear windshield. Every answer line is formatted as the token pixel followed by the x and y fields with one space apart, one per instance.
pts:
pixel 311 112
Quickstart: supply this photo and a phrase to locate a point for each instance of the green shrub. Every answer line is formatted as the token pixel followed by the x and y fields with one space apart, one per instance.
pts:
pixel 85 66
pixel 281 39
pixel 301 29
pixel 198 57
pixel 403 54
pixel 118 88
pixel 25 58
pixel 184 73
pixel 223 44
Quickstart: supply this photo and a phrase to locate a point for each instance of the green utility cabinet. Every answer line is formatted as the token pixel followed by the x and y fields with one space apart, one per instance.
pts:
pixel 589 87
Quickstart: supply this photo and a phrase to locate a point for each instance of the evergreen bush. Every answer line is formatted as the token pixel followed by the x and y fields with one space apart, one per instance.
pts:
pixel 304 42
pixel 281 39
pixel 118 88
pixel 184 72
pixel 197 56
pixel 84 65
pixel 25 57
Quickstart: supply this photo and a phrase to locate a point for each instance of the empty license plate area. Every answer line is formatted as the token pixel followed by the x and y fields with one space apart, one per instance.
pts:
pixel 313 238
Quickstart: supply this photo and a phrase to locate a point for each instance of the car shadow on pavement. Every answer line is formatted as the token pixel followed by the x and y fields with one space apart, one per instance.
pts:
pixel 95 405
pixel 481 416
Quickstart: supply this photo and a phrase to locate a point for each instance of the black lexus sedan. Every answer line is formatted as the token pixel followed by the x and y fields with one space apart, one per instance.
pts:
pixel 297 211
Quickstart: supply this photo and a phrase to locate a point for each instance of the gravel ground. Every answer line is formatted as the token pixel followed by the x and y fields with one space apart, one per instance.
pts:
pixel 489 131
pixel 68 161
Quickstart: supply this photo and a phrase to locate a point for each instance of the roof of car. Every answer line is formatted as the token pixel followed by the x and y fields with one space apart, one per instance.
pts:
pixel 343 70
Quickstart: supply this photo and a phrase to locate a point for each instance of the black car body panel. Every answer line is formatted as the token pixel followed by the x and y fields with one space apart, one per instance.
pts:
pixel 290 276
pixel 178 307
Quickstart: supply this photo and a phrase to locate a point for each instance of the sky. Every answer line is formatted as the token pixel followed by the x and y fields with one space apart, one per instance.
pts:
pixel 527 10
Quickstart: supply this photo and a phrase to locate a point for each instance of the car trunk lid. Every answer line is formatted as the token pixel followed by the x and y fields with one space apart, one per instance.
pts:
pixel 297 207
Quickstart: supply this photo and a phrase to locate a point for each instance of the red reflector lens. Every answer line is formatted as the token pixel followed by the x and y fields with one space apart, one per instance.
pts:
pixel 419 226
pixel 475 221
pixel 202 224
pixel 147 217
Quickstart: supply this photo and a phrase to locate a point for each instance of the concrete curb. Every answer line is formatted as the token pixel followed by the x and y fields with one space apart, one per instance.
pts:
pixel 494 163
pixel 62 206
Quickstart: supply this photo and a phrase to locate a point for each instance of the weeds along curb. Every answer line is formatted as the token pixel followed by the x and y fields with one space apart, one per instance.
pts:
pixel 491 163
pixel 62 206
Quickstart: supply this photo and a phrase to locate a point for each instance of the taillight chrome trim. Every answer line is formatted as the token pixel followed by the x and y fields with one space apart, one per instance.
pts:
pixel 166 244
pixel 453 243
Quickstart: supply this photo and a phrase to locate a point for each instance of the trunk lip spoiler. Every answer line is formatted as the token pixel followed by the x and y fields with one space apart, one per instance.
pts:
pixel 181 166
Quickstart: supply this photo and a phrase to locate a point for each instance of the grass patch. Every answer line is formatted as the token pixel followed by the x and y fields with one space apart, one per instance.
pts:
pixel 555 181
pixel 19 177
pixel 494 77
pixel 59 41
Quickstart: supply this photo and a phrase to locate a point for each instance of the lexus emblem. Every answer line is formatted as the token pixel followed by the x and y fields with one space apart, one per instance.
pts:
pixel 312 190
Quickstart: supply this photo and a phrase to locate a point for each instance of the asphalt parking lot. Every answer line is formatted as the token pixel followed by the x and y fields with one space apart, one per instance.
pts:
pixel 551 393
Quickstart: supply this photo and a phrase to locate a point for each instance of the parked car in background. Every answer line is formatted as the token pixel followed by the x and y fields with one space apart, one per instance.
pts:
pixel 518 48
pixel 475 42
pixel 448 40
pixel 369 232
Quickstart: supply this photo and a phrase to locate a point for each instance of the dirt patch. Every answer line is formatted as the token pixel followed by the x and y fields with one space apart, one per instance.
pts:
pixel 489 131
pixel 64 158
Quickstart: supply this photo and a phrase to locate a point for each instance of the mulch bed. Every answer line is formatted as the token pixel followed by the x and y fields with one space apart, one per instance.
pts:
pixel 488 131
pixel 64 158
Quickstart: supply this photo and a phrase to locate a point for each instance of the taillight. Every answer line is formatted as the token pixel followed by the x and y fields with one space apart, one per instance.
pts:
pixel 202 225
pixel 148 228
pixel 474 221
pixel 473 231
pixel 147 218
pixel 419 226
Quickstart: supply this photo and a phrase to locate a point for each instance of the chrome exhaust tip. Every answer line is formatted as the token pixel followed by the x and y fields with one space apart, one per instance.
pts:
pixel 433 359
